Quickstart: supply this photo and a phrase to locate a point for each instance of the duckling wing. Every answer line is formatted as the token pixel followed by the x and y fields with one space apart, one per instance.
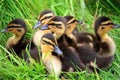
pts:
pixel 71 60
pixel 87 56
pixel 32 53
pixel 85 37
pixel 29 50
pixel 27 42
pixel 85 53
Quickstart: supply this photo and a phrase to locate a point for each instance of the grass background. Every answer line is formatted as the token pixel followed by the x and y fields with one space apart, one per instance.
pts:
pixel 29 10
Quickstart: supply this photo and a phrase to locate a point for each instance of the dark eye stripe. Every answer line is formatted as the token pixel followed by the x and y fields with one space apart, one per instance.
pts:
pixel 49 43
pixel 57 25
pixel 46 18
pixel 73 21
pixel 106 24
pixel 19 30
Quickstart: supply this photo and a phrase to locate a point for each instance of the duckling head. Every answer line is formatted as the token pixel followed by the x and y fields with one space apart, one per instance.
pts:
pixel 17 27
pixel 71 24
pixel 103 25
pixel 56 25
pixel 44 18
pixel 49 44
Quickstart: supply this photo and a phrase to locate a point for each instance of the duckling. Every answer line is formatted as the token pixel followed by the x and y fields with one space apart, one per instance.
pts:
pixel 51 61
pixel 71 57
pixel 43 19
pixel 105 47
pixel 16 43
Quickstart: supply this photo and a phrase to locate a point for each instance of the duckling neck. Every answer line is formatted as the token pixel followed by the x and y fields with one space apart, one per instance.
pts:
pixel 111 45
pixel 14 40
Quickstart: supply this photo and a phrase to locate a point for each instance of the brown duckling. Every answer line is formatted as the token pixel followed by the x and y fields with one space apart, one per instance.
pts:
pixel 70 59
pixel 43 19
pixel 104 45
pixel 16 43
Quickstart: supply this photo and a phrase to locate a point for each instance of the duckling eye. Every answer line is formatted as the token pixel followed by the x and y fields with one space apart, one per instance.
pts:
pixel 9 30
pixel 102 27
pixel 52 32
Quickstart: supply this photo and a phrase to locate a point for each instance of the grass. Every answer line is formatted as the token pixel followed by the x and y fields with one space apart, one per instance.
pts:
pixel 29 10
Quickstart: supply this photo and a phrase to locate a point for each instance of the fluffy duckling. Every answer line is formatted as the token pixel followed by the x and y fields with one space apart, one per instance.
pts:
pixel 51 61
pixel 71 57
pixel 103 53
pixel 16 43
pixel 43 19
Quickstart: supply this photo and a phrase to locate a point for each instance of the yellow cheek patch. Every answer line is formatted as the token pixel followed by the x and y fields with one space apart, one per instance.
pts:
pixel 16 32
pixel 46 48
pixel 104 31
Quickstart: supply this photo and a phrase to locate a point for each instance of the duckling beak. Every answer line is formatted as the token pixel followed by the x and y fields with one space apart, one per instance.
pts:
pixel 44 27
pixel 80 22
pixel 58 51
pixel 116 26
pixel 37 24
pixel 4 30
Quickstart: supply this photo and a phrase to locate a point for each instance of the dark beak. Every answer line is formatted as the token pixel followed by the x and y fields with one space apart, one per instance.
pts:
pixel 80 22
pixel 4 30
pixel 58 51
pixel 38 24
pixel 44 27
pixel 116 26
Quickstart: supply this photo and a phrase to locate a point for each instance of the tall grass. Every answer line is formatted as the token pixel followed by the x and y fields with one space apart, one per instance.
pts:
pixel 29 10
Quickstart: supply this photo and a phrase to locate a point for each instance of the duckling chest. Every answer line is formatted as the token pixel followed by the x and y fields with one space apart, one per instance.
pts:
pixel 53 64
pixel 110 47
pixel 12 41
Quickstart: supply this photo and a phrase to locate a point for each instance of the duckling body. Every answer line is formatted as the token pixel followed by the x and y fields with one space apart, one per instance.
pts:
pixel 16 43
pixel 99 48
